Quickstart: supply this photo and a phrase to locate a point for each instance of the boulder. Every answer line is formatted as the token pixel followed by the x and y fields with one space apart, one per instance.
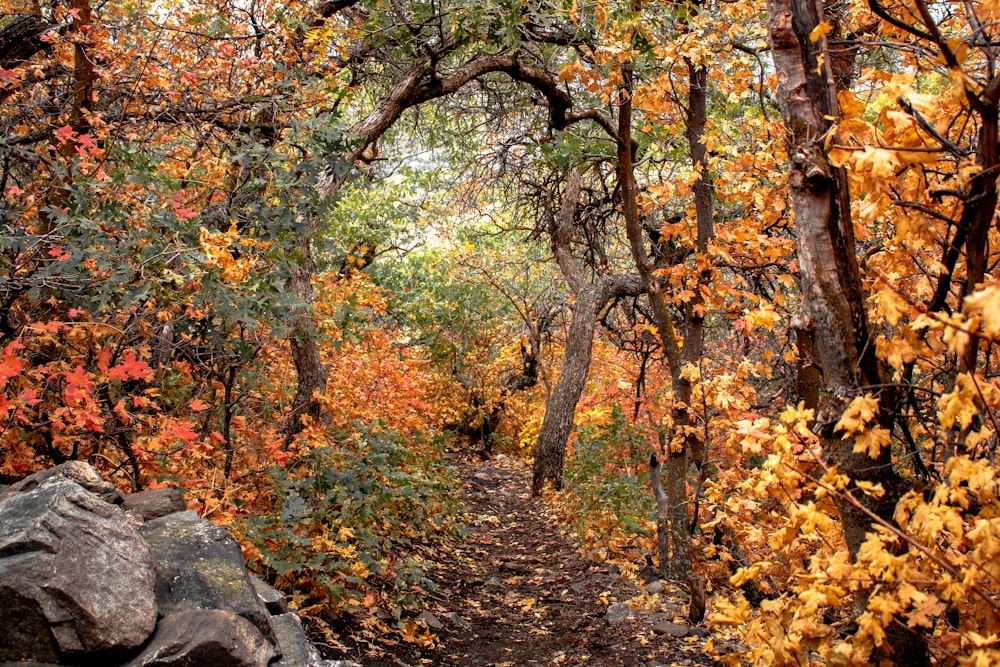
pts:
pixel 75 577
pixel 273 600
pixel 203 638
pixel 296 651
pixel 76 471
pixel 154 503
pixel 430 620
pixel 200 566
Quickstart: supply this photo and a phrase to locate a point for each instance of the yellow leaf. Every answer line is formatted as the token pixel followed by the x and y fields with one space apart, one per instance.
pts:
pixel 881 162
pixel 872 442
pixel 857 415
pixel 874 490
pixel 568 73
pixel 726 613
pixel 958 405
pixel 986 304
pixel 745 574
pixel 891 305
pixel 850 105
pixel 840 157
pixel 821 30
pixel 765 317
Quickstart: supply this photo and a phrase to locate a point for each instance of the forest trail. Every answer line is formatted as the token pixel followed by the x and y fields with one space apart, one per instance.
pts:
pixel 515 591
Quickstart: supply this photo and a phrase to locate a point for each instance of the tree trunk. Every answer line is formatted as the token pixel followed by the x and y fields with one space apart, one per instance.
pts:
pixel 685 444
pixel 310 371
pixel 832 292
pixel 550 450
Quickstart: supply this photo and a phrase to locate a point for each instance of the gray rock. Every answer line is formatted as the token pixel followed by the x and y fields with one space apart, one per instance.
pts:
pixel 654 587
pixel 579 588
pixel 672 629
pixel 200 566
pixel 617 613
pixel 273 600
pixel 432 621
pixel 456 618
pixel 203 638
pixel 80 472
pixel 75 578
pixel 699 631
pixel 295 649
pixel 154 503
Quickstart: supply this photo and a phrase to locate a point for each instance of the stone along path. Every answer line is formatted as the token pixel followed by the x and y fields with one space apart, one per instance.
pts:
pixel 515 591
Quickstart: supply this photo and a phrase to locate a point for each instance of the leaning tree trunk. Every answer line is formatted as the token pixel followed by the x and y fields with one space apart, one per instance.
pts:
pixel 684 445
pixel 550 450
pixel 830 281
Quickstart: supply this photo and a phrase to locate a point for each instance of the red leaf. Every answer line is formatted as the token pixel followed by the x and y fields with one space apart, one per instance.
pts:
pixel 11 364
pixel 131 367
pixel 181 430
pixel 65 133
pixel 78 384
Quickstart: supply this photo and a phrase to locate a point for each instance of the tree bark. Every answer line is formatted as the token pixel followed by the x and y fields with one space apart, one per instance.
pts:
pixel 21 39
pixel 550 450
pixel 310 370
pixel 830 281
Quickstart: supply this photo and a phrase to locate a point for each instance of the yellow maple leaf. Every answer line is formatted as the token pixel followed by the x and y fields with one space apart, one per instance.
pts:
pixel 765 317
pixel 727 613
pixel 891 305
pixel 873 490
pixel 849 103
pixel 215 245
pixel 958 405
pixel 568 73
pixel 872 441
pixel 858 414
pixel 881 162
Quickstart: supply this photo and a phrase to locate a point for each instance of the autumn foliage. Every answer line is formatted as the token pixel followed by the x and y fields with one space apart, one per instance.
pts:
pixel 196 196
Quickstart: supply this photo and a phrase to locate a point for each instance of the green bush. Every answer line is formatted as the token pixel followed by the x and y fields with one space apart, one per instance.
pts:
pixel 349 522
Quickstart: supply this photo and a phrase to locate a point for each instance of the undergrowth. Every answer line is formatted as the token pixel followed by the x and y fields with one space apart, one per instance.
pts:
pixel 608 499
pixel 351 522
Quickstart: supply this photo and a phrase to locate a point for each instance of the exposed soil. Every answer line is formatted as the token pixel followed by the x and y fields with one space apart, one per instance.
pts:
pixel 515 591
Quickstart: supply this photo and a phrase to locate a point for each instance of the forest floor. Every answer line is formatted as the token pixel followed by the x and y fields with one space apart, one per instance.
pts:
pixel 515 591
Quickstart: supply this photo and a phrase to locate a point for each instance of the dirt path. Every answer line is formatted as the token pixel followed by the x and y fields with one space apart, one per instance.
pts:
pixel 515 592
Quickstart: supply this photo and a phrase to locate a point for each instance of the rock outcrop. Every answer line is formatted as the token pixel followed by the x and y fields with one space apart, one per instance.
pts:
pixel 91 577
pixel 154 503
pixel 200 566
pixel 205 637
pixel 75 577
